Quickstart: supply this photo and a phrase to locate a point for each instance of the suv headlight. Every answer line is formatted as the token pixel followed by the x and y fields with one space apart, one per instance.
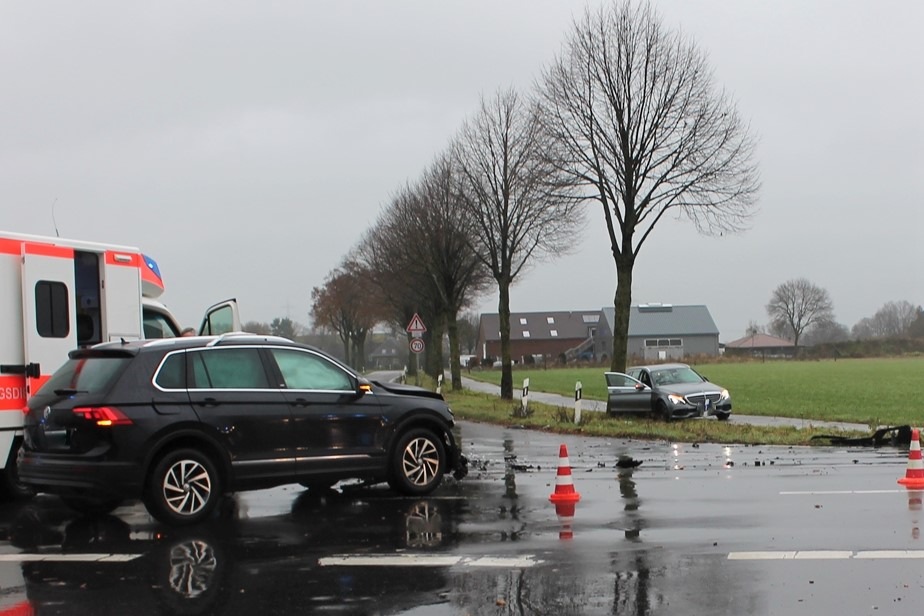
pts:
pixel 725 395
pixel 675 399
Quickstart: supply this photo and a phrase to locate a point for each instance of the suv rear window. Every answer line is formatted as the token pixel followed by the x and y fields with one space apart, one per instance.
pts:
pixel 86 374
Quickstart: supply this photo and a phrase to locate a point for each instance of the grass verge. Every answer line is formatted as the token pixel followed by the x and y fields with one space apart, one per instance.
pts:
pixel 871 391
pixel 487 408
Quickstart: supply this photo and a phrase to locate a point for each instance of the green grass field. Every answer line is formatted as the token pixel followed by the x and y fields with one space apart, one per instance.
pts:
pixel 870 391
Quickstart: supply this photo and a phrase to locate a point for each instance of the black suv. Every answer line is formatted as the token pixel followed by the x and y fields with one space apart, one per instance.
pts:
pixel 179 422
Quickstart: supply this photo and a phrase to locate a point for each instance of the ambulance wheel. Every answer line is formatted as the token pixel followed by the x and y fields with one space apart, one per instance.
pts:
pixel 10 486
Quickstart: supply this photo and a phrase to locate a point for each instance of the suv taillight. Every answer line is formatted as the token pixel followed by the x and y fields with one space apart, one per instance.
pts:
pixel 103 415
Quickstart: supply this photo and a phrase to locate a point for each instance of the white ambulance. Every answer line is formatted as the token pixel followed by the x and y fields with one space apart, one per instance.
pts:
pixel 57 295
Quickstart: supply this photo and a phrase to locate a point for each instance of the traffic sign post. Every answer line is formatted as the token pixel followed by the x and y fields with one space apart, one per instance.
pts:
pixel 416 329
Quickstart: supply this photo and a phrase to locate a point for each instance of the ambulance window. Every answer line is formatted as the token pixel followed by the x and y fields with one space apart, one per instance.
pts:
pixel 51 312
pixel 87 289
pixel 157 326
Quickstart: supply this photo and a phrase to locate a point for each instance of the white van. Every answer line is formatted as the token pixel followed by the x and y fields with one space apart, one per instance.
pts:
pixel 57 295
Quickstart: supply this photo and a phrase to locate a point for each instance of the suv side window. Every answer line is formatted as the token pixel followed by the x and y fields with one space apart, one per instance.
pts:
pixel 172 373
pixel 302 370
pixel 228 368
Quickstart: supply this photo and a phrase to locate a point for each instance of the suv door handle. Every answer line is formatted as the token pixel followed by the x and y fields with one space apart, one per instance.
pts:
pixel 209 402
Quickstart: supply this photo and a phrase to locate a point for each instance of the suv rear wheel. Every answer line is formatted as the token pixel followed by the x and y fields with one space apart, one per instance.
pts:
pixel 417 463
pixel 183 488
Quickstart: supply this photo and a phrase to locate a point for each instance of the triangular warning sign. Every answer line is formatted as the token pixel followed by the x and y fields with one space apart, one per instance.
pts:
pixel 416 326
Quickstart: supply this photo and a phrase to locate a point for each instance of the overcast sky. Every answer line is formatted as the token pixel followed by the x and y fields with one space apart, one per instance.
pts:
pixel 247 146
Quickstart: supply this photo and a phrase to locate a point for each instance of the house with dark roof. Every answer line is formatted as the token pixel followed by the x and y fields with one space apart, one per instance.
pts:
pixel 657 332
pixel 661 332
pixel 546 336
pixel 390 355
pixel 761 345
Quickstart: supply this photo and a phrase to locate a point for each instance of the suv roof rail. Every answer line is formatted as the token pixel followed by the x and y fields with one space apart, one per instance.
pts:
pixel 228 335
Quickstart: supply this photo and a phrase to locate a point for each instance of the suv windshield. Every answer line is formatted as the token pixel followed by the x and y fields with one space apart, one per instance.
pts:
pixel 84 375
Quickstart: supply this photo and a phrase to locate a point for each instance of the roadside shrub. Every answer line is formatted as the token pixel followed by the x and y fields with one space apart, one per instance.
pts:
pixel 519 412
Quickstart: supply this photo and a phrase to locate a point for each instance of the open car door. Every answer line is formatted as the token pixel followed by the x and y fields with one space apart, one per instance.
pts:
pixel 221 318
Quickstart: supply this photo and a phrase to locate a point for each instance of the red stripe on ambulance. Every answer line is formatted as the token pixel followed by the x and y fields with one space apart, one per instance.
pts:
pixel 12 392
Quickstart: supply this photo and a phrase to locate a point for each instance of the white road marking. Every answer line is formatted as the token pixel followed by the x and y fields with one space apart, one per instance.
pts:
pixel 828 555
pixel 426 560
pixel 815 493
pixel 77 558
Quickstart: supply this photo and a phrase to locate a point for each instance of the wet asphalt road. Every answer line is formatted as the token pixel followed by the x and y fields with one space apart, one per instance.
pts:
pixel 691 529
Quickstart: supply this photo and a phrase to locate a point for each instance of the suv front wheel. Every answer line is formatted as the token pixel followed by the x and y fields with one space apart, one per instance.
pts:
pixel 417 463
pixel 183 488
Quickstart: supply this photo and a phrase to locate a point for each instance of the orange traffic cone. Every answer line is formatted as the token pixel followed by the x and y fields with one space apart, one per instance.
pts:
pixel 914 475
pixel 564 486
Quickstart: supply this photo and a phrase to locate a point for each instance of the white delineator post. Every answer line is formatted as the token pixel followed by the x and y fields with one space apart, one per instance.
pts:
pixel 525 397
pixel 439 384
pixel 578 394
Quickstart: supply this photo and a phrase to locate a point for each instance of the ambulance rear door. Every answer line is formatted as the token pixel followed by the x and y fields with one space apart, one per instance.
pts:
pixel 121 297
pixel 49 316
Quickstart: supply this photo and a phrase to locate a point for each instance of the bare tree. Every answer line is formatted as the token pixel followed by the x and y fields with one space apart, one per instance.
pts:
pixel 916 329
pixel 826 332
pixel 458 276
pixel 440 253
pixel 283 326
pixel 468 332
pixel 863 329
pixel 796 305
pixel 514 218
pixel 418 249
pixel 256 327
pixel 894 319
pixel 637 122
pixel 343 305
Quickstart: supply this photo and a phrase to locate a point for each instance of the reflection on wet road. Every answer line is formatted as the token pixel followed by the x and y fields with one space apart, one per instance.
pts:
pixel 659 529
